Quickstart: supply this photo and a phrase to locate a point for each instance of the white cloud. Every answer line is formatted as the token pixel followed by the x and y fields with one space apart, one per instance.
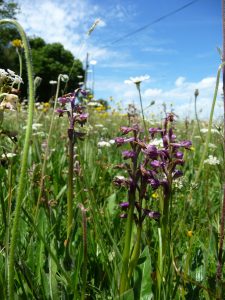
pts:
pixel 179 81
pixel 159 50
pixel 180 96
pixel 66 22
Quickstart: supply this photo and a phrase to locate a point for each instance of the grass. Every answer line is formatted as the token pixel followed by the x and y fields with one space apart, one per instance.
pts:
pixel 62 235
pixel 46 269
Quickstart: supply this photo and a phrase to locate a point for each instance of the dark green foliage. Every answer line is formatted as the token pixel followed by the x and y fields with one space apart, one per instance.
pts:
pixel 50 60
pixel 8 9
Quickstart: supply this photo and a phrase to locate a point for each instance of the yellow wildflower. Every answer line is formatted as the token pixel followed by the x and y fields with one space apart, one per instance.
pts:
pixel 46 106
pixel 100 108
pixel 190 233
pixel 155 195
pixel 17 43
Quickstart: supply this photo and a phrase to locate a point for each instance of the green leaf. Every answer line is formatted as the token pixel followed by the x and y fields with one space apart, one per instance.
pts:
pixel 143 281
pixel 128 295
pixel 52 275
pixel 111 203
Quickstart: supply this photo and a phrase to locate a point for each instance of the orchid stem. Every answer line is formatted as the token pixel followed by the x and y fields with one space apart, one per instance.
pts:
pixel 124 283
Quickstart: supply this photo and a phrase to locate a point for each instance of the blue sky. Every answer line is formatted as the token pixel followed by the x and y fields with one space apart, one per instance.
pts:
pixel 179 53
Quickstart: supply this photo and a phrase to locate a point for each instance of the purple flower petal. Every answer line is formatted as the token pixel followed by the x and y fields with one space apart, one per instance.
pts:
pixel 179 155
pixel 152 214
pixel 123 216
pixel 156 164
pixel 125 129
pixel 124 205
pixel 177 174
pixel 128 154
pixel 151 151
pixel 120 140
pixel 155 183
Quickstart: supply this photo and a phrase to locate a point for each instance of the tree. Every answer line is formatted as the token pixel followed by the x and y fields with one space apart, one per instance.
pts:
pixel 8 9
pixel 50 60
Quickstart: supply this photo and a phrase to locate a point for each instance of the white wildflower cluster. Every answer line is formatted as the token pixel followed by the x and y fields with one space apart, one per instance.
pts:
pixel 9 76
pixel 8 155
pixel 212 160
pixel 212 146
pixel 205 130
pixel 157 143
pixel 179 183
pixel 94 104
pixel 105 144
pixel 35 126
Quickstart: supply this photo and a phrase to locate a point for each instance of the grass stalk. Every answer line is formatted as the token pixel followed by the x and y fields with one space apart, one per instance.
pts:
pixel 70 182
pixel 23 170
pixel 222 221
pixel 203 156
pixel 47 149
pixel 85 258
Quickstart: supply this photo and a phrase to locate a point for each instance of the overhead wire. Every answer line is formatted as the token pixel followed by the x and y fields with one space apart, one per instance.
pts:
pixel 159 19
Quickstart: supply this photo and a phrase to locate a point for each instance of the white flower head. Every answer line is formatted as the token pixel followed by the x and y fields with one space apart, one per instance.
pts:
pixel 94 104
pixel 112 142
pixel 103 144
pixel 17 79
pixel 137 80
pixel 8 155
pixel 119 177
pixel 157 142
pixel 205 130
pixel 12 73
pixel 3 73
pixel 64 77
pixel 212 160
pixel 52 82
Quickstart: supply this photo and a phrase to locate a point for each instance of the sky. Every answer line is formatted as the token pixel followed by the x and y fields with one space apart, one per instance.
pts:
pixel 178 52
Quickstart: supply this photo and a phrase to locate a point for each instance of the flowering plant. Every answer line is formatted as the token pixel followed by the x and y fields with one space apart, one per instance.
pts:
pixel 149 169
pixel 76 115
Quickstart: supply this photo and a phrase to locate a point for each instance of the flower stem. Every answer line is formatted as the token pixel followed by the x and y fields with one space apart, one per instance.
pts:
pixel 124 283
pixel 142 110
pixel 20 191
pixel 70 182
pixel 47 150
pixel 136 252
pixel 21 65
pixel 85 257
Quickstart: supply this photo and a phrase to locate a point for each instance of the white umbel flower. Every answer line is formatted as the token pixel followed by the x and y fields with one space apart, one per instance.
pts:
pixel 103 144
pixel 8 155
pixel 212 160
